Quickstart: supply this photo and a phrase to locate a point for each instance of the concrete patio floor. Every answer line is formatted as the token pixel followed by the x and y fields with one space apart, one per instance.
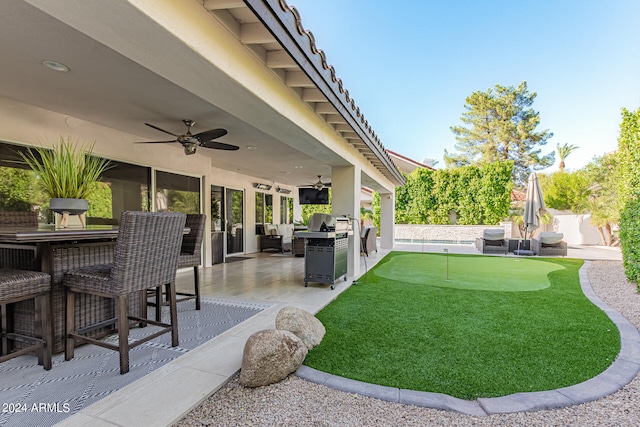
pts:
pixel 165 395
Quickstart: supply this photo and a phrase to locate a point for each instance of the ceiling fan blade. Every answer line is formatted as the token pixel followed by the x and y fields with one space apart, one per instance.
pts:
pixel 219 146
pixel 161 130
pixel 153 142
pixel 210 135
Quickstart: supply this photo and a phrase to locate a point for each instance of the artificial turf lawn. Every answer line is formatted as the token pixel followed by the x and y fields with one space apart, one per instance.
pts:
pixel 405 326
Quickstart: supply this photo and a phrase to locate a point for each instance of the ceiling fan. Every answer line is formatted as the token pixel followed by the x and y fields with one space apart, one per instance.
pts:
pixel 190 142
pixel 318 185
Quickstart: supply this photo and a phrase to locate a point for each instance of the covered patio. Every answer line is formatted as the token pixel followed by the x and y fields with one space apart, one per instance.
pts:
pixel 101 71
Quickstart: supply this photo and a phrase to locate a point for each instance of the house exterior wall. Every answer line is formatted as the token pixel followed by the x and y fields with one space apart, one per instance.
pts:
pixel 28 125
pixel 449 233
pixel 577 229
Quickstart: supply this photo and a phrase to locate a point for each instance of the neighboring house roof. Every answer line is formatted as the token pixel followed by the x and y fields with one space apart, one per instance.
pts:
pixel 405 164
pixel 518 195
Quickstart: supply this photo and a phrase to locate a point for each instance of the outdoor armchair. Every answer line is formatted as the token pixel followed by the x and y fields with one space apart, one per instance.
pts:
pixel 549 244
pixel 492 242
pixel 277 236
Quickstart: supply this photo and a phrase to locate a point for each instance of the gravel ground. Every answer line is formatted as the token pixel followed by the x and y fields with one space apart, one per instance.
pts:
pixel 296 402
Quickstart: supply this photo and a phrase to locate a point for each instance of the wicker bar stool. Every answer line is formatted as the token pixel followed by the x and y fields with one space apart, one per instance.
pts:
pixel 20 256
pixel 12 219
pixel 145 256
pixel 190 256
pixel 22 285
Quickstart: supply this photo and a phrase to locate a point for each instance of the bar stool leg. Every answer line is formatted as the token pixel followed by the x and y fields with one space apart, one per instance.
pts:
pixel 123 333
pixel 70 342
pixel 44 354
pixel 5 328
pixel 159 304
pixel 173 313
pixel 196 278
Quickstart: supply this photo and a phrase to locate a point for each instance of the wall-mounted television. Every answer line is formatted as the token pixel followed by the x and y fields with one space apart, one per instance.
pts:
pixel 311 196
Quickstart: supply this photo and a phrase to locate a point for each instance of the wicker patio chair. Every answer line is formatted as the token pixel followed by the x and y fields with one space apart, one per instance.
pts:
pixel 190 256
pixel 368 240
pixel 22 285
pixel 21 256
pixel 549 244
pixel 12 219
pixel 492 242
pixel 145 256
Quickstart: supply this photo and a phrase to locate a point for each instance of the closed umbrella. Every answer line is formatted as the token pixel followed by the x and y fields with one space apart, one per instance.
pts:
pixel 534 207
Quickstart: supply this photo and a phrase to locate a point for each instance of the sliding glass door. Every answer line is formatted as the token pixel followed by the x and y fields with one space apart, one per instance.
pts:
pixel 227 223
pixel 234 204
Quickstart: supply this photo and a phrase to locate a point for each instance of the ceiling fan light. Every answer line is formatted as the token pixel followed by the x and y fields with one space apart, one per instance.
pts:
pixel 190 148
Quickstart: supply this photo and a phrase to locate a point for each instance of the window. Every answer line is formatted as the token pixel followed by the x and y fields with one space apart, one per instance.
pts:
pixel 285 214
pixel 177 193
pixel 264 208
pixel 124 187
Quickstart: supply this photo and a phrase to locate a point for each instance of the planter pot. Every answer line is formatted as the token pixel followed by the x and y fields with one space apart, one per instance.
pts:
pixel 66 207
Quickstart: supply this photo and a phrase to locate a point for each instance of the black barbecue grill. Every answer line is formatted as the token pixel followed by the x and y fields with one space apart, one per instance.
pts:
pixel 326 248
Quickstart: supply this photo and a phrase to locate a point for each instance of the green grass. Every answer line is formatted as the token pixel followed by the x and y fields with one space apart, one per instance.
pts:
pixel 497 327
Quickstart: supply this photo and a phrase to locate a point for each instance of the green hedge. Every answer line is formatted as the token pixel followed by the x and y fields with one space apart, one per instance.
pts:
pixel 478 195
pixel 629 161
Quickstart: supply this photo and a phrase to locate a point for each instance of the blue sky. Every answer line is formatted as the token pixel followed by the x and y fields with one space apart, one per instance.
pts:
pixel 409 65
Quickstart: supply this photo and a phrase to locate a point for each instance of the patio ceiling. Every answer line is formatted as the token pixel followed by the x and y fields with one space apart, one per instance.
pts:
pixel 126 69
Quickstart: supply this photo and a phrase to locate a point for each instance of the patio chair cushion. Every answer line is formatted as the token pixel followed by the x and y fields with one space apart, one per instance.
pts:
pixel 493 234
pixel 270 230
pixel 488 242
pixel 286 231
pixel 550 239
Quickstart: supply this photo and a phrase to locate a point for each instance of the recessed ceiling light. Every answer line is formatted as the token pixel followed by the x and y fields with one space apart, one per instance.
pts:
pixel 251 147
pixel 298 167
pixel 55 66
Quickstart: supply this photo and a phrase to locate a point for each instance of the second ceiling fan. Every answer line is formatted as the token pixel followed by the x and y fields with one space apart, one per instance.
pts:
pixel 318 185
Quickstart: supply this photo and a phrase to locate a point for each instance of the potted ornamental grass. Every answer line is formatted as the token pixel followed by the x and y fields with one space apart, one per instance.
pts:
pixel 67 174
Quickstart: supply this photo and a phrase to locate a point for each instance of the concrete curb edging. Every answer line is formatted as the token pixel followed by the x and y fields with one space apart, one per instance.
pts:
pixel 620 373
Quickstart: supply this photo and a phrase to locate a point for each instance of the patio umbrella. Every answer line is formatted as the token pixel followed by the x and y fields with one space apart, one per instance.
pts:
pixel 534 207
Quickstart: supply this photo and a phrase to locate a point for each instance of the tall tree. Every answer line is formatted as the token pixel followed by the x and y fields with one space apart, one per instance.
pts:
pixel 629 191
pixel 563 152
pixel 500 125
pixel 604 175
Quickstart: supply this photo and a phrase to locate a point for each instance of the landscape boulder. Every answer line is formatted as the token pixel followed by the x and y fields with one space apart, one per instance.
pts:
pixel 302 323
pixel 269 356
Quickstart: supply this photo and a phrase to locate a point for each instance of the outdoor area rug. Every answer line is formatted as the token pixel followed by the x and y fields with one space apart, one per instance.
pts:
pixel 31 396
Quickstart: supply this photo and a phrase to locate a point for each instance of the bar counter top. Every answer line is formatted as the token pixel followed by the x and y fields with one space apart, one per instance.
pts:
pixel 49 233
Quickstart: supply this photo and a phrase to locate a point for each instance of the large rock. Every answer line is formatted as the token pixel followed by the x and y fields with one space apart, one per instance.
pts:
pixel 302 323
pixel 269 356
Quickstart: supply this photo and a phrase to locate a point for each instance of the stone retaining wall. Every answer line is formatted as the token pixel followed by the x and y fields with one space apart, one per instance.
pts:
pixel 445 233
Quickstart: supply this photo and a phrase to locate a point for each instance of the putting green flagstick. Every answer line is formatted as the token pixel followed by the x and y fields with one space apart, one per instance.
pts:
pixel 446 251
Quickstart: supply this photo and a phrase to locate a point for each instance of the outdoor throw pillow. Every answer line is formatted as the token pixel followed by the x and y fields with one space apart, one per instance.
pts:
pixel 493 234
pixel 548 238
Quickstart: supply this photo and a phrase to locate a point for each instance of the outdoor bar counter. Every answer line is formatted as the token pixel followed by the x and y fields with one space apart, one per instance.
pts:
pixel 55 251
